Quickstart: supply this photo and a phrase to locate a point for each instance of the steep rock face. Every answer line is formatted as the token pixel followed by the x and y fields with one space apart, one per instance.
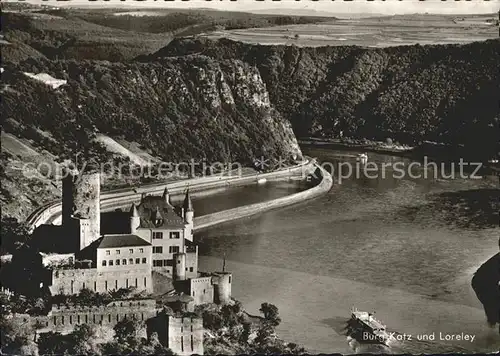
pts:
pixel 182 108
pixel 408 93
pixel 485 283
pixel 178 109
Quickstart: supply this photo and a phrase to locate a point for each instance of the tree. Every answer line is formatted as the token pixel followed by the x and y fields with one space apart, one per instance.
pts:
pixel 14 234
pixel 271 314
pixel 126 331
pixel 83 340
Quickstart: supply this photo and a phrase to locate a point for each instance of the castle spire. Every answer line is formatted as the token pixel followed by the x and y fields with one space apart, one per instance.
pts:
pixel 133 210
pixel 166 195
pixel 188 204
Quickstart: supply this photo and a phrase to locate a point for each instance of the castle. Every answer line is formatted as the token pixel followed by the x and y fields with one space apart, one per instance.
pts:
pixel 157 237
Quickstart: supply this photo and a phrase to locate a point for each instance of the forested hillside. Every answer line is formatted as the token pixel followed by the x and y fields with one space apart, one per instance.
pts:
pixel 445 93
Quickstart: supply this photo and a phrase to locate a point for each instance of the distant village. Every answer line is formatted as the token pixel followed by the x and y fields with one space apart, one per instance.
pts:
pixel 146 252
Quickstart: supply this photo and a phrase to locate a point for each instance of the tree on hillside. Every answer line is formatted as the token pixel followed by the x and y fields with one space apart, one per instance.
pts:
pixel 128 341
pixel 14 234
pixel 271 314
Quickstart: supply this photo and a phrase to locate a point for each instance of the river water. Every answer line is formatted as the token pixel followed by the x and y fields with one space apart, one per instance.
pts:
pixel 404 248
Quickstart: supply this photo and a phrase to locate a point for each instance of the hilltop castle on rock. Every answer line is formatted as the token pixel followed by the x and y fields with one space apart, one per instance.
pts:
pixel 152 237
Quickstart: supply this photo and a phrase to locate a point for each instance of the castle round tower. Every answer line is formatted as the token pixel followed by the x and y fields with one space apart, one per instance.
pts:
pixel 81 202
pixel 223 288
pixel 135 220
pixel 179 272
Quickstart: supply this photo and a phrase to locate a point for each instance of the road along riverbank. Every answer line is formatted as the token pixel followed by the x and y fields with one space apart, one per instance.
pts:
pixel 51 213
pixel 209 220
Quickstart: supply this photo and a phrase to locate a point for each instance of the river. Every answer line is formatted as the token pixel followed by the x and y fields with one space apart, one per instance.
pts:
pixel 405 248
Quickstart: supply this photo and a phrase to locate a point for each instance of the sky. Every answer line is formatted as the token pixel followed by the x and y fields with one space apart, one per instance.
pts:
pixel 388 7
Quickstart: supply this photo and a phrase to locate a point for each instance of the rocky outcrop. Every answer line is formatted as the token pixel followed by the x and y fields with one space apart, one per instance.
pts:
pixel 486 284
pixel 407 93
pixel 179 109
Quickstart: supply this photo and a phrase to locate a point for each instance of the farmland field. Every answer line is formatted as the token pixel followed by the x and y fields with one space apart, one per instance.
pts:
pixel 374 32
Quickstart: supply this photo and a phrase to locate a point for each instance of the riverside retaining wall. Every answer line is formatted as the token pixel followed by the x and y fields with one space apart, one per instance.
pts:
pixel 237 213
pixel 50 213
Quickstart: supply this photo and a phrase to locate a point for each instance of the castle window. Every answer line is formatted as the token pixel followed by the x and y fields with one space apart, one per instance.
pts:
pixel 130 261
pixel 137 261
pixel 78 319
pixel 157 235
pixel 157 249
pixel 55 320
pixel 229 279
pixel 104 263
pixel 144 281
pixel 83 285
pixel 136 282
pixel 109 318
pixel 95 286
pixel 142 316
pixel 144 260
pixel 105 285
pixel 182 343
pixel 173 249
pixel 110 262
pixel 165 263
pixel 71 319
pixel 131 250
pixel 204 291
pixel 116 284
pixel 141 250
pixel 192 343
pixel 157 263
pixel 175 235
pixel 93 318
pixel 124 261
pixel 108 252
pixel 193 293
pixel 169 263
pixel 117 262
pixel 62 320
pixel 86 318
pixel 126 283
pixel 117 252
pixel 191 269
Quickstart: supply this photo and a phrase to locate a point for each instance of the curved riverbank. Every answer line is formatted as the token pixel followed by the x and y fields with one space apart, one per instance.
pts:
pixel 50 213
pixel 210 220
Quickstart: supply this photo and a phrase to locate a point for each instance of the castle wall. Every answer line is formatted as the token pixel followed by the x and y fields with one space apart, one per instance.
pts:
pixel 185 335
pixel 64 318
pixel 202 290
pixel 133 258
pixel 72 281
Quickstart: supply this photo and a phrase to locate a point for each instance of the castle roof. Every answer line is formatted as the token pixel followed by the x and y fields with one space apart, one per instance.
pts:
pixel 121 240
pixel 153 208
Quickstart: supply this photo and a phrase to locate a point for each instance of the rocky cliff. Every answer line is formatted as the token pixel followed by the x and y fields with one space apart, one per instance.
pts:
pixel 177 109
pixel 407 93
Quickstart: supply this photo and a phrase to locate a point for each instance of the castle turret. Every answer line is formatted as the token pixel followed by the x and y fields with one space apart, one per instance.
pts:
pixel 166 195
pixel 188 209
pixel 135 220
pixel 81 206
pixel 222 283
pixel 179 272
